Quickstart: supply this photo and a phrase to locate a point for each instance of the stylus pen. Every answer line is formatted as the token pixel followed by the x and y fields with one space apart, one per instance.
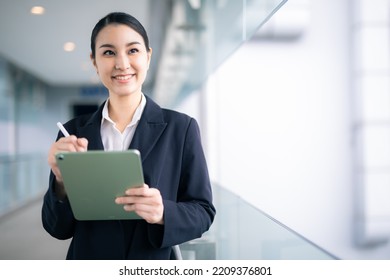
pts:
pixel 63 130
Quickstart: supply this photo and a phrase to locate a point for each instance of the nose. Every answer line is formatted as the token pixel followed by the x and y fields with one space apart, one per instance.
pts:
pixel 122 62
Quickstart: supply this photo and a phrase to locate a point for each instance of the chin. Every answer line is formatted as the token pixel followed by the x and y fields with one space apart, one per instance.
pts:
pixel 125 92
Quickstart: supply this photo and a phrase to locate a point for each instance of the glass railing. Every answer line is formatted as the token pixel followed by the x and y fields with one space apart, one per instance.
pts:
pixel 22 179
pixel 239 232
pixel 242 232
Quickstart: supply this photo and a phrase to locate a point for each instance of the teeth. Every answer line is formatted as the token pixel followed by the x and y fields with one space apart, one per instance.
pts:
pixel 122 77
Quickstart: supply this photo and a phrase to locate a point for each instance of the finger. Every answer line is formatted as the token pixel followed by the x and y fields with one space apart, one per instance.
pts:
pixel 72 144
pixel 150 209
pixel 70 138
pixel 132 200
pixel 66 144
pixel 82 144
pixel 122 200
pixel 150 214
pixel 138 191
pixel 154 199
pixel 142 208
pixel 57 173
pixel 54 168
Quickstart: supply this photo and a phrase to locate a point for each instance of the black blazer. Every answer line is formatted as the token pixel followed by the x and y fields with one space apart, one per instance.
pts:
pixel 173 161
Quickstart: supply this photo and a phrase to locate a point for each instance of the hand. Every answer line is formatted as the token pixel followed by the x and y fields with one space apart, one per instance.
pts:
pixel 65 144
pixel 146 202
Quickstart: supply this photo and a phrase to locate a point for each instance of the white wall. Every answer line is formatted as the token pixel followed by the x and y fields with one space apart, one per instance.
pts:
pixel 279 130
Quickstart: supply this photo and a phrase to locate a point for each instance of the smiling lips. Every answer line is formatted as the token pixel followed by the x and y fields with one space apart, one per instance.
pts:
pixel 123 77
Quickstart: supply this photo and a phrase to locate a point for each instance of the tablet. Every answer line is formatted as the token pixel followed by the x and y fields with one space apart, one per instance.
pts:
pixel 94 179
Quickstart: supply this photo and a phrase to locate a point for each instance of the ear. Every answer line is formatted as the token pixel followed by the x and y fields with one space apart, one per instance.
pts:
pixel 93 61
pixel 149 56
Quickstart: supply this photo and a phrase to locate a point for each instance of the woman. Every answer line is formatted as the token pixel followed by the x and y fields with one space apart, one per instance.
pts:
pixel 176 201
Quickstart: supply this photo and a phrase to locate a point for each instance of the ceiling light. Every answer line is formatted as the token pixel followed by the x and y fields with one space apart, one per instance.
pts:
pixel 37 10
pixel 195 4
pixel 69 46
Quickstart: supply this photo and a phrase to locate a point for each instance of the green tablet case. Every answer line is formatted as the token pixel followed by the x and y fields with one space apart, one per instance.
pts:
pixel 94 179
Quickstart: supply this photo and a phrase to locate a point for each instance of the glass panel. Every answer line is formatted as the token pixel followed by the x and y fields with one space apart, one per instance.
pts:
pixel 375 98
pixel 200 39
pixel 22 178
pixel 241 232
pixel 6 109
pixel 376 146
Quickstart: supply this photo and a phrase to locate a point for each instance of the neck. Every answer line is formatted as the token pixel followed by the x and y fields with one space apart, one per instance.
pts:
pixel 121 109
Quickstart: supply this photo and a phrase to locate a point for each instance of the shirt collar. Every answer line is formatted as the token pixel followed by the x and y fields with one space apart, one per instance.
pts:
pixel 137 114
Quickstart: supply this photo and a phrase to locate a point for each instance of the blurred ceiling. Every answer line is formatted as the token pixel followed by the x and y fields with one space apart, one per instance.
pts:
pixel 179 33
pixel 36 42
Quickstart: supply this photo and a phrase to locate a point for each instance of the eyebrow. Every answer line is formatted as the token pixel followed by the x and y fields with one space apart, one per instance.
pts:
pixel 112 46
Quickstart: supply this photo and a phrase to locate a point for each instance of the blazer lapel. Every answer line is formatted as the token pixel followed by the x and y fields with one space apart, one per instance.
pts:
pixel 149 129
pixel 91 131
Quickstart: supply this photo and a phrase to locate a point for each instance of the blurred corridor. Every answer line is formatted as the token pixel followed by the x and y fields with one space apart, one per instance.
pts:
pixel 292 99
pixel 23 237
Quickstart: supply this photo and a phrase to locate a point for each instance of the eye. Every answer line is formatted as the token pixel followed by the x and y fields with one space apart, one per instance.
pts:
pixel 108 53
pixel 133 51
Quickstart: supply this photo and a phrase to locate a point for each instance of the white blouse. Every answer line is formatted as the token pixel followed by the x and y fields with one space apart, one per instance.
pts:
pixel 112 138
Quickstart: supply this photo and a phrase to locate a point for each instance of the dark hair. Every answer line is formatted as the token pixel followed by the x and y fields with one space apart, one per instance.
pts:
pixel 118 18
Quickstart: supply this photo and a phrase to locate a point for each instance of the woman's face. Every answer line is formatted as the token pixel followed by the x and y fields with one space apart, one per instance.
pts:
pixel 121 59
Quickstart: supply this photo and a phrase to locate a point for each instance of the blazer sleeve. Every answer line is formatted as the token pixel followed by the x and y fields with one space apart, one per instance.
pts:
pixel 57 216
pixel 193 212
